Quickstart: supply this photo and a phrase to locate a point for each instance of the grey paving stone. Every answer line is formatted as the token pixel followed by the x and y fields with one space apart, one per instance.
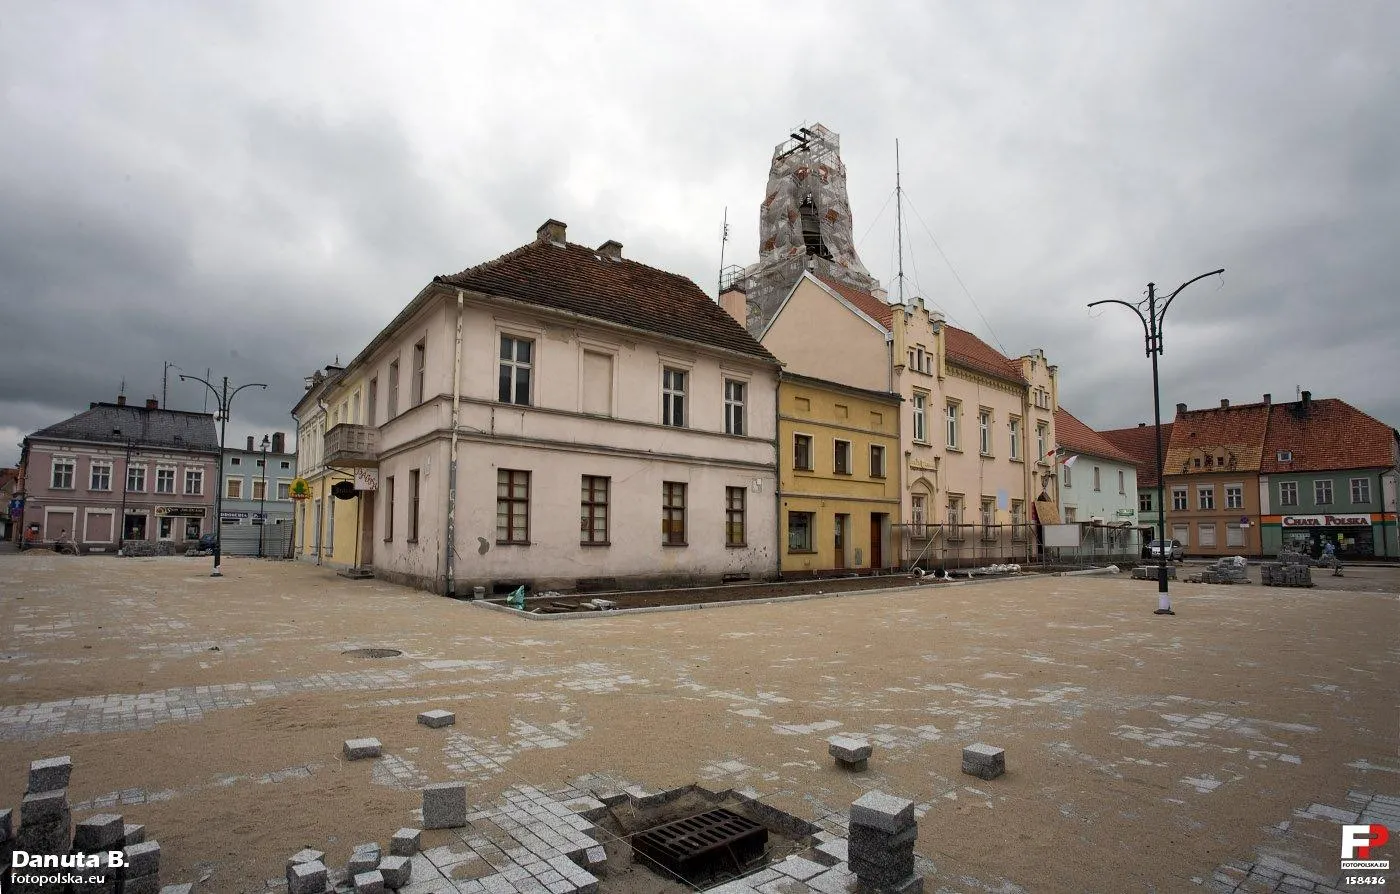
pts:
pixel 849 750
pixel 437 719
pixel 186 888
pixel 359 749
pixel 133 833
pixel 369 883
pixel 832 852
pixel 43 806
pixel 7 824
pixel 397 871
pixel 799 868
pixel 984 761
pixel 50 774
pixel 882 811
pixel 141 884
pixel 143 858
pixel 98 833
pixel 306 878
pixel 306 855
pixel 445 805
pixel 406 842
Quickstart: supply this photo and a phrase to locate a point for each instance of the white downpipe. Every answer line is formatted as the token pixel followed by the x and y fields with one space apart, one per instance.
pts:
pixel 451 589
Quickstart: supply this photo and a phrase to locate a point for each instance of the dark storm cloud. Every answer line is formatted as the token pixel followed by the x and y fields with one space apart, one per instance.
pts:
pixel 256 189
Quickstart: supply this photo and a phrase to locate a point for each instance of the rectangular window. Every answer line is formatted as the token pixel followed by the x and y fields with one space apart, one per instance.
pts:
pixel 1234 496
pixel 1068 476
pixel 1206 533
pixel 984 432
pixel 165 481
pixel 389 508
pixel 1322 492
pixel 1122 484
pixel 1234 535
pixel 1205 497
pixel 233 488
pixel 1041 433
pixel 1145 501
pixel 1071 515
pixel 1015 437
pixel 877 461
pixel 372 403
pixel 734 533
pixel 1179 499
pixel 1181 534
pixel 673 513
pixel 1018 520
pixel 955 517
pixel 597 383
pixel 101 477
pixel 593 509
pixel 62 475
pixel 920 419
pixel 989 518
pixel 236 461
pixel 355 408
pixel 951 414
pixel 136 479
pixel 733 407
pixel 673 397
pixel 284 490
pixel 393 409
pixel 259 489
pixel 802 452
pixel 1360 490
pixel 841 459
pixel 800 532
pixel 1096 478
pixel 166 528
pixel 1288 493
pixel 413 485
pixel 517 364
pixel 420 372
pixel 512 506
pixel 194 482
pixel 285 464
pixel 918 514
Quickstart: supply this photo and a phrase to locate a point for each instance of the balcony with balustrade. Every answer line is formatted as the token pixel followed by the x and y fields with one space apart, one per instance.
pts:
pixel 351 446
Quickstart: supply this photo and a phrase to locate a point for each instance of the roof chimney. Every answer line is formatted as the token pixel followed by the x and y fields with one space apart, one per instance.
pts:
pixel 121 400
pixel 1180 408
pixel 553 231
pixel 279 442
pixel 1268 398
pixel 1307 399
pixel 612 249
pixel 1224 403
pixel 735 302
pixel 152 403
pixel 250 444
pixel 1142 425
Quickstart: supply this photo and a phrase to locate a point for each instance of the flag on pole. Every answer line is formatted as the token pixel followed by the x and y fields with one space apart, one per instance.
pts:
pixel 1069 463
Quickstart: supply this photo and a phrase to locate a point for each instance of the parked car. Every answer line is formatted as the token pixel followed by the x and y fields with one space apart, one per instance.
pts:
pixel 1171 550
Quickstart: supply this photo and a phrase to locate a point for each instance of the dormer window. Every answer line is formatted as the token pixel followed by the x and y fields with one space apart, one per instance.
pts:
pixel 1285 456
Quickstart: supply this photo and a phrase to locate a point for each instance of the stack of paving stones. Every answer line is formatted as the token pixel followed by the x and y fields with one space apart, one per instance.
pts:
pixel 984 761
pixel 881 845
pixel 1226 571
pixel 1286 574
pixel 1150 572
pixel 851 753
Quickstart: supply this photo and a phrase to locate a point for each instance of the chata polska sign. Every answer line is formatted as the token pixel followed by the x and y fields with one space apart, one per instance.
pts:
pixel 1325 521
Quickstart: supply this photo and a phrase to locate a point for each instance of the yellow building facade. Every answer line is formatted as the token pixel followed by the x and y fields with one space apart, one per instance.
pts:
pixel 326 526
pixel 839 477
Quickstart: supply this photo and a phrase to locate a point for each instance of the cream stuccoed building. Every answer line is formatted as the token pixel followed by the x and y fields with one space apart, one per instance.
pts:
pixel 559 417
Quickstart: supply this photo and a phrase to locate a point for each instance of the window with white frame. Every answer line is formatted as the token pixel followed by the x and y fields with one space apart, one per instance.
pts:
pixel 1122 483
pixel 955 516
pixel 1360 490
pixel 877 461
pixel 734 529
pixel 733 407
pixel 1205 533
pixel 1041 433
pixel 1234 535
pixel 1179 499
pixel 101 477
pixel 236 461
pixel 233 488
pixel 1018 520
pixel 673 513
pixel 1068 475
pixel 1015 437
pixel 1182 534
pixel 165 481
pixel 259 489
pixel 393 408
pixel 841 457
pixel 593 510
pixel 1144 501
pixel 1288 493
pixel 516 366
pixel 1322 492
pixel 1234 496
pixel 918 514
pixel 194 482
pixel 61 476
pixel 136 479
pixel 802 452
pixel 1071 515
pixel 984 432
pixel 284 490
pixel 1205 497
pixel 512 506
pixel 989 518
pixel 673 397
pixel 1096 478
pixel 920 404
pixel 951 416
pixel 800 532
pixel 420 372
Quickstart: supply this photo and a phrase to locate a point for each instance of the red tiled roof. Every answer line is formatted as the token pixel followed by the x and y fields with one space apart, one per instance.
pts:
pixel 881 312
pixel 1238 431
pixel 576 279
pixel 1140 442
pixel 966 349
pixel 1076 437
pixel 1329 434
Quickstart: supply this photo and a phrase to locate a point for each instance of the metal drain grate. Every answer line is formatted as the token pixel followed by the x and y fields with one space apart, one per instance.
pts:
pixel 373 653
pixel 700 847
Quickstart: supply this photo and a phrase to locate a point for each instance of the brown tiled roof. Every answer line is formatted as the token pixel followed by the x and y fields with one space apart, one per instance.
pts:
pixel 1076 437
pixel 576 279
pixel 881 312
pixel 1140 442
pixel 8 476
pixel 1329 434
pixel 966 349
pixel 1238 431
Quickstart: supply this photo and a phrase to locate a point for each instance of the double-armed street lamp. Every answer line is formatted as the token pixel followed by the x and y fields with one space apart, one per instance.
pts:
pixel 1152 320
pixel 223 398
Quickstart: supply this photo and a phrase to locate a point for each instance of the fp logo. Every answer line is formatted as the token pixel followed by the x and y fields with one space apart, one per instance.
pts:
pixel 1357 844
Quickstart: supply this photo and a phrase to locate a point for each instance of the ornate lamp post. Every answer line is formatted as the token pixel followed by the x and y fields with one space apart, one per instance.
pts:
pixel 223 399
pixel 1152 319
pixel 262 500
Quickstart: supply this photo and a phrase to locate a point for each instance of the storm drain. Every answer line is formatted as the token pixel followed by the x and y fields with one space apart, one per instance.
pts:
pixel 704 846
pixel 373 653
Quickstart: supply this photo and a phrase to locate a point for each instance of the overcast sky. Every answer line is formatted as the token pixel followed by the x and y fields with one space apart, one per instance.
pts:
pixel 257 188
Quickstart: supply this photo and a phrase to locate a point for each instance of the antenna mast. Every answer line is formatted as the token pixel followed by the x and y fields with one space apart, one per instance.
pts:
pixel 899 220
pixel 724 238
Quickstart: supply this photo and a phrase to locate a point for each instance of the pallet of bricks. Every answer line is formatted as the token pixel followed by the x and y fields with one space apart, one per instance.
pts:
pixel 1230 570
pixel 1291 570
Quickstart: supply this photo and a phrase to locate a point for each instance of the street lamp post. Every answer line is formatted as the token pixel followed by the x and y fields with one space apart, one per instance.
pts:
pixel 126 482
pixel 223 398
pixel 1152 321
pixel 262 501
